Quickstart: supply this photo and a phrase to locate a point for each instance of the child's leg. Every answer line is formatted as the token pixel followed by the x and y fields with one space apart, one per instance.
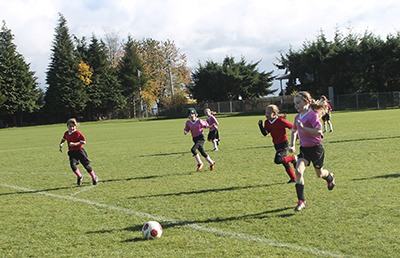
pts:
pixel 215 143
pixel 289 170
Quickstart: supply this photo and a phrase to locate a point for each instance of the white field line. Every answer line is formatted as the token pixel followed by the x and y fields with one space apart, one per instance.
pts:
pixel 84 189
pixel 195 226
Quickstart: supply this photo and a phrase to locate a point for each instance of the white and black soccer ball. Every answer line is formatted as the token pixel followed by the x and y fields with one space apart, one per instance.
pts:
pixel 152 230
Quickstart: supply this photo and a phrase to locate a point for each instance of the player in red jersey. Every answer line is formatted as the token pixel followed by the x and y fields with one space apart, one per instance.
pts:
pixel 276 125
pixel 76 152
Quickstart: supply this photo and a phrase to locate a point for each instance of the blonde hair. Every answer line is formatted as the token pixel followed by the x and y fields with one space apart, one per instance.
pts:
pixel 274 109
pixel 211 112
pixel 318 106
pixel 72 121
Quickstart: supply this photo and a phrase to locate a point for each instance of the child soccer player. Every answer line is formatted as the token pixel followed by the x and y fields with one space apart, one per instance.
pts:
pixel 307 126
pixel 76 152
pixel 276 125
pixel 195 125
pixel 327 117
pixel 213 134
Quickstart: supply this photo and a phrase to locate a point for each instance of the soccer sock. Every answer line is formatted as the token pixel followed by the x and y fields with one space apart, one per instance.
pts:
pixel 198 159
pixel 210 160
pixel 300 191
pixel 290 172
pixel 78 173
pixel 329 178
pixel 92 174
pixel 215 142
pixel 288 159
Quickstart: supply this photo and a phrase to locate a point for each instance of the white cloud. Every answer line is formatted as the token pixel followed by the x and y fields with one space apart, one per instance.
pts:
pixel 202 29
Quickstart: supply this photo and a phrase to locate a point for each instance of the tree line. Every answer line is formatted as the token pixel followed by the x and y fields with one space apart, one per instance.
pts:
pixel 349 63
pixel 94 78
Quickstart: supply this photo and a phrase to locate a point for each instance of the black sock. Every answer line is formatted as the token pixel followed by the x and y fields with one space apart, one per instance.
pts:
pixel 329 178
pixel 300 191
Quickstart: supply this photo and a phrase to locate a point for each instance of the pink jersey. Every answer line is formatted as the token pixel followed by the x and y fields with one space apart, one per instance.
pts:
pixel 195 127
pixel 311 120
pixel 74 136
pixel 211 120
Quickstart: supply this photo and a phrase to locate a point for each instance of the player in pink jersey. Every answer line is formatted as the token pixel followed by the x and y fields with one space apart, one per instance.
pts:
pixel 76 152
pixel 307 126
pixel 276 125
pixel 195 125
pixel 213 134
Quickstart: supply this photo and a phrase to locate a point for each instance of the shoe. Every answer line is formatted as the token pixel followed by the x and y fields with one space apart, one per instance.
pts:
pixel 199 167
pixel 95 180
pixel 216 149
pixel 291 181
pixel 212 166
pixel 300 205
pixel 331 185
pixel 79 180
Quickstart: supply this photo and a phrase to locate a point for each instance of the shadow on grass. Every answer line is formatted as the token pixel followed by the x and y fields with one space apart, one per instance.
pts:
pixel 378 177
pixel 365 139
pixel 142 177
pixel 40 191
pixel 261 215
pixel 165 154
pixel 233 188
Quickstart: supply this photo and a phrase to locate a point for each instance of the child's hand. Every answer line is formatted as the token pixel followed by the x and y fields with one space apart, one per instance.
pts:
pixel 300 124
pixel 60 148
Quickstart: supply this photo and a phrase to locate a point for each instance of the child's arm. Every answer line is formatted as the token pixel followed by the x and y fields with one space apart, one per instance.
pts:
pixel 262 129
pixel 293 138
pixel 61 144
pixel 315 131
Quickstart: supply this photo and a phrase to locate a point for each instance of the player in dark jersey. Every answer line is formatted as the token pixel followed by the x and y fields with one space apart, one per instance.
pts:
pixel 76 152
pixel 276 125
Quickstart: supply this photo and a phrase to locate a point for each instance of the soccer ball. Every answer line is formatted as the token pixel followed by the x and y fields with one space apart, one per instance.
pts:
pixel 152 230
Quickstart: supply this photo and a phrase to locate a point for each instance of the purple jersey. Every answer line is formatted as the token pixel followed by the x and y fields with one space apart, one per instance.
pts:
pixel 211 120
pixel 195 127
pixel 311 120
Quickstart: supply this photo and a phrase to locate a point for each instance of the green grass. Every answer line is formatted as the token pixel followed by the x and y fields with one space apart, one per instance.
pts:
pixel 243 209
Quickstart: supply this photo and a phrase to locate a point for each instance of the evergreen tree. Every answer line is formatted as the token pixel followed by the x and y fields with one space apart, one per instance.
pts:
pixel 66 94
pixel 129 70
pixel 105 98
pixel 19 93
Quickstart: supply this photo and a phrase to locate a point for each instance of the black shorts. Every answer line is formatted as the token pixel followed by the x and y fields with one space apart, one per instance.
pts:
pixel 326 117
pixel 79 156
pixel 314 154
pixel 213 135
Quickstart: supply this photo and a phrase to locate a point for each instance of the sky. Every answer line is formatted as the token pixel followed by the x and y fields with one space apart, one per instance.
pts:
pixel 203 30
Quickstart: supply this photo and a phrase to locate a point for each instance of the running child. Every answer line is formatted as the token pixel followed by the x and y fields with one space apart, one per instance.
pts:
pixel 276 125
pixel 307 126
pixel 195 125
pixel 327 117
pixel 213 134
pixel 76 152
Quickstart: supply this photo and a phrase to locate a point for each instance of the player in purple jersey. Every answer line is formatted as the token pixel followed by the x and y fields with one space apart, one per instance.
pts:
pixel 307 126
pixel 195 125
pixel 213 134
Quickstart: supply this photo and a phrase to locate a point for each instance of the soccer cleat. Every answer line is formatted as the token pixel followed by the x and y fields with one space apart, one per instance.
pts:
pixel 212 166
pixel 291 181
pixel 199 167
pixel 331 184
pixel 95 180
pixel 79 180
pixel 215 149
pixel 300 205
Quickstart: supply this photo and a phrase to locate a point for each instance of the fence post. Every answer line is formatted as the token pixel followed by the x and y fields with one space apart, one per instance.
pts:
pixel 230 106
pixel 357 101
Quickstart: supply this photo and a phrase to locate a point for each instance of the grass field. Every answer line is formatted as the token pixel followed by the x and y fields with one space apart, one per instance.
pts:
pixel 243 209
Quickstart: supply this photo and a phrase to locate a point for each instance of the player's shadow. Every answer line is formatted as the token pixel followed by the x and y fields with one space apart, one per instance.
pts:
pixel 378 177
pixel 164 154
pixel 142 177
pixel 38 191
pixel 233 188
pixel 166 225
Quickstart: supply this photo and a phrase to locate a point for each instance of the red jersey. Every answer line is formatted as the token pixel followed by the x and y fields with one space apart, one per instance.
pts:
pixel 74 136
pixel 277 129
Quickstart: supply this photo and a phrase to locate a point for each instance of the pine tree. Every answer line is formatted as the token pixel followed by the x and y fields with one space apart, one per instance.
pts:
pixel 66 94
pixel 19 93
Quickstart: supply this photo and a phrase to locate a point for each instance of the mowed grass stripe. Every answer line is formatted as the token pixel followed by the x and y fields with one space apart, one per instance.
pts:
pixel 195 226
